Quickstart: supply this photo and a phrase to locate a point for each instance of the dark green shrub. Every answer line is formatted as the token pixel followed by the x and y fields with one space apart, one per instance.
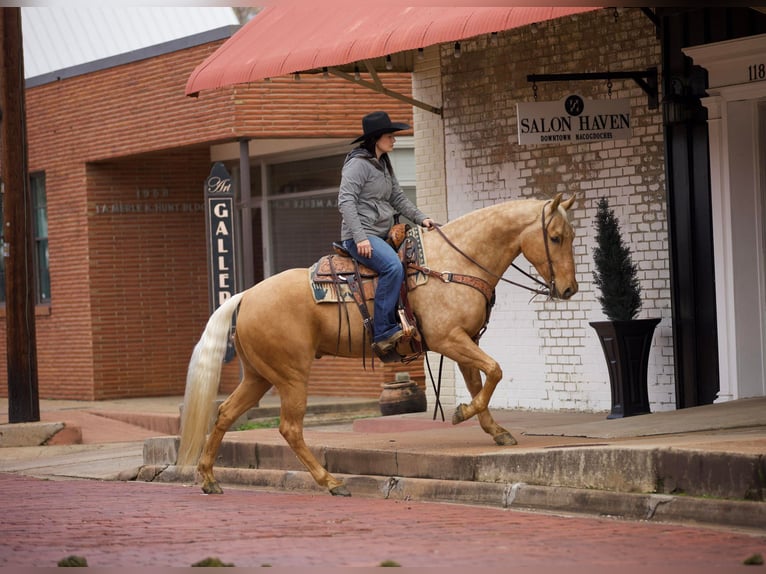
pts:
pixel 615 274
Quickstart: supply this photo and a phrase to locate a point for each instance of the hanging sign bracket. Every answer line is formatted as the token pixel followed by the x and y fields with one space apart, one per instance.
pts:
pixel 646 80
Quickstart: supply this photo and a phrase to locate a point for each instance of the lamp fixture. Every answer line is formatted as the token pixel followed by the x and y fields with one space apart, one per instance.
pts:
pixel 457 49
pixel 420 54
pixel 325 73
pixel 493 39
pixel 297 76
pixel 389 63
pixel 357 75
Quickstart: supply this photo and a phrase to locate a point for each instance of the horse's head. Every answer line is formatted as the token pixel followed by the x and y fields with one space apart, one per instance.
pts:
pixel 547 244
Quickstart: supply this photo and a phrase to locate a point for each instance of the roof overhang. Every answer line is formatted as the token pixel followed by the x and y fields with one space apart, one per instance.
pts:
pixel 298 37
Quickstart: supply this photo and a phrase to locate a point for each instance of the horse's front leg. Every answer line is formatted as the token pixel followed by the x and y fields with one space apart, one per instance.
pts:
pixel 500 435
pixel 467 354
pixel 247 394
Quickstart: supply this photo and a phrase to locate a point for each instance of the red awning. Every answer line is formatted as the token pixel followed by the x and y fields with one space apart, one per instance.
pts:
pixel 301 37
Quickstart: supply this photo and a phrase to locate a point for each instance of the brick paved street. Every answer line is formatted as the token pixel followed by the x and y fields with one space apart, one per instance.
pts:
pixel 129 524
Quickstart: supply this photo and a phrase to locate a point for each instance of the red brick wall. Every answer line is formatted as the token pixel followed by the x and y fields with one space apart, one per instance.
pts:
pixel 314 106
pixel 65 335
pixel 129 289
pixel 148 271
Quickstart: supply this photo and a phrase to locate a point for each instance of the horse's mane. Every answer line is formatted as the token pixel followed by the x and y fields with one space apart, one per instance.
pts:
pixel 506 207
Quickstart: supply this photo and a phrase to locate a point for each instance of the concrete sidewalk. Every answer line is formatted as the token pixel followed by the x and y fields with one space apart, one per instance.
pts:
pixel 704 464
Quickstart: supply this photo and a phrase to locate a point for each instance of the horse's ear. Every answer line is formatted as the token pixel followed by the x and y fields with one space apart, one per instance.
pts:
pixel 556 201
pixel 567 205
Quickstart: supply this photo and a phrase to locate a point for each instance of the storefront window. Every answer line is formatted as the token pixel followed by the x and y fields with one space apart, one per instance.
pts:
pixel 306 175
pixel 40 207
pixel 304 228
pixel 2 245
pixel 40 230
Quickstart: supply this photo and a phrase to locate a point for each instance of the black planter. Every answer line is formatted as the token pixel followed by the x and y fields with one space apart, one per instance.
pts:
pixel 626 346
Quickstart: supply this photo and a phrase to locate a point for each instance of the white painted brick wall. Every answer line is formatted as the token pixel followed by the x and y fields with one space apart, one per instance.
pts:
pixel 550 355
pixel 431 198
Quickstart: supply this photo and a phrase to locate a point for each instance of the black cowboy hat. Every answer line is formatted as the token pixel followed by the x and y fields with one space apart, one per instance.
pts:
pixel 377 124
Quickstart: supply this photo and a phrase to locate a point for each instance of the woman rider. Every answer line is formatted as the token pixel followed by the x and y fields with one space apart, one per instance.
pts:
pixel 368 199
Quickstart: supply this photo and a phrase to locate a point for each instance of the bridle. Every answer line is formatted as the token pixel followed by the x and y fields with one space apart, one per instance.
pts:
pixel 543 289
pixel 552 282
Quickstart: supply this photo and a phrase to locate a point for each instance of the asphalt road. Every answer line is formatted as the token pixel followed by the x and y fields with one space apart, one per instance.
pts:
pixel 137 524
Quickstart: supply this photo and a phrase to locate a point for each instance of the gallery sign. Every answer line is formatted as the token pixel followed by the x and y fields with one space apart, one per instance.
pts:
pixel 573 120
pixel 219 200
pixel 219 216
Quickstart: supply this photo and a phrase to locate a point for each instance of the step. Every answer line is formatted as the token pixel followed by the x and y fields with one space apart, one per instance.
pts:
pixel 609 468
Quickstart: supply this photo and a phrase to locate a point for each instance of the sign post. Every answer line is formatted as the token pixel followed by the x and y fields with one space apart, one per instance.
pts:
pixel 219 216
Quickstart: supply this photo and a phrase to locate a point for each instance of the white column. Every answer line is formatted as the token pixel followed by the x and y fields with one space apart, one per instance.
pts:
pixel 722 247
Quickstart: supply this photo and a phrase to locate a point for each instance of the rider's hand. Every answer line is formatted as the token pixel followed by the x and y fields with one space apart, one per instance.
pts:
pixel 427 222
pixel 364 248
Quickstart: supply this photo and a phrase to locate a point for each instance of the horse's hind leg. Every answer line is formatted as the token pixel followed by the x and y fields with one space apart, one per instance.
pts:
pixel 246 395
pixel 500 435
pixel 293 409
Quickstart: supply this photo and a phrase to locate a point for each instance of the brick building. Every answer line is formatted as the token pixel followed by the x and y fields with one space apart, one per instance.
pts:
pixel 118 157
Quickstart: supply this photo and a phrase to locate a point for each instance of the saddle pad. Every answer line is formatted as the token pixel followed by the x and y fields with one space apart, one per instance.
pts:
pixel 324 291
pixel 328 292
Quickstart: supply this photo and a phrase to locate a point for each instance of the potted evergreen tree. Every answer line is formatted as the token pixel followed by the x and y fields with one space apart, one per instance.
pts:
pixel 625 340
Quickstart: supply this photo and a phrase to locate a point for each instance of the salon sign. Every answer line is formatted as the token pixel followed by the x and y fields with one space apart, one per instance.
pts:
pixel 573 120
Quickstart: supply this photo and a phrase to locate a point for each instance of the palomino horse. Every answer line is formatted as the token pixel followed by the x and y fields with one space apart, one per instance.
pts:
pixel 281 330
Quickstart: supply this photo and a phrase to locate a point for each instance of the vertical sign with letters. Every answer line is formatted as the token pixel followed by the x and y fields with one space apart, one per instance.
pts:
pixel 219 216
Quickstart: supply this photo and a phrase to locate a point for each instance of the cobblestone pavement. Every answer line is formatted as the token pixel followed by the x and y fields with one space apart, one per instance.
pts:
pixel 138 524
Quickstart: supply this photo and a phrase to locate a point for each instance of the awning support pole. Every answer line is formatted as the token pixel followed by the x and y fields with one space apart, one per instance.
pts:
pixel 646 80
pixel 377 86
pixel 248 272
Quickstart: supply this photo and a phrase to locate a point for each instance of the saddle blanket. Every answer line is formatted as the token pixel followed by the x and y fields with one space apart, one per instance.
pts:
pixel 325 291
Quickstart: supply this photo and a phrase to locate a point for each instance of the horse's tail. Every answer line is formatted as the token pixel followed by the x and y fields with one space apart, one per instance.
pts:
pixel 202 379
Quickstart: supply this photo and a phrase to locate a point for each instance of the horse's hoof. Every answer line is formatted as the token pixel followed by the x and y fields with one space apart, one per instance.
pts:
pixel 457 416
pixel 340 490
pixel 505 439
pixel 212 488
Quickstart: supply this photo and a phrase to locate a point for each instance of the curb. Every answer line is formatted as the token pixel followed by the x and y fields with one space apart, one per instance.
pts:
pixel 38 434
pixel 513 496
pixel 673 471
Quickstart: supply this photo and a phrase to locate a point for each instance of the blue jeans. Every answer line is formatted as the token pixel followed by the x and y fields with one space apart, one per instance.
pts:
pixel 390 270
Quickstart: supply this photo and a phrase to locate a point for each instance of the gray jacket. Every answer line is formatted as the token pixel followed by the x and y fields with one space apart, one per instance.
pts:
pixel 369 197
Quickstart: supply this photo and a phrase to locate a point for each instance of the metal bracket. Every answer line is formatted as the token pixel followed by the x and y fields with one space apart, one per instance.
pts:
pixel 377 86
pixel 646 80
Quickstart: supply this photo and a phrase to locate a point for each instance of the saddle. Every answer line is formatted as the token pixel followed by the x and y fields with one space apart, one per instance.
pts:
pixel 348 280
